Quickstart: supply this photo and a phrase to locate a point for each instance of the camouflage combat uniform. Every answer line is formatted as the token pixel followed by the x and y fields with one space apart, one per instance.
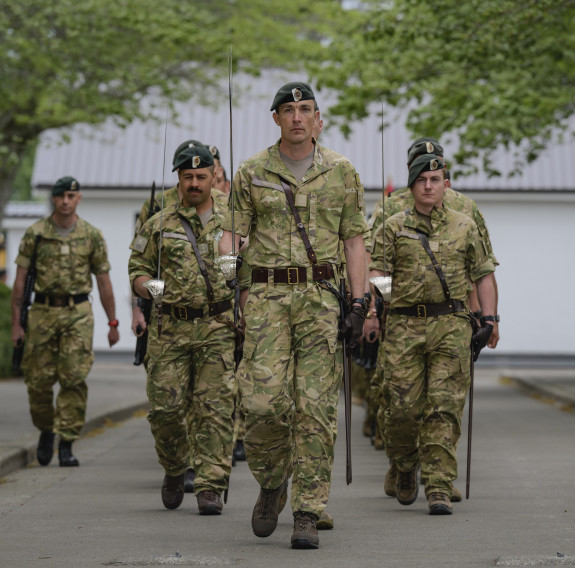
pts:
pixel 291 416
pixel 191 362
pixel 427 360
pixel 58 346
pixel 401 200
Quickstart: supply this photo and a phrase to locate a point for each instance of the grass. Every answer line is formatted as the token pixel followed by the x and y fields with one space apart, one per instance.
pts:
pixel 5 332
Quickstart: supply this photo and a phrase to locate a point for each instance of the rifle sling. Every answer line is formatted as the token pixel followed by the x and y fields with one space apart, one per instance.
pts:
pixel 300 226
pixel 423 238
pixel 201 263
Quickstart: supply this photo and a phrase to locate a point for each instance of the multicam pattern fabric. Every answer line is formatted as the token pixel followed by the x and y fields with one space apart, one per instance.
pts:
pixel 191 364
pixel 426 361
pixel 402 199
pixel 64 264
pixel 329 199
pixel 455 242
pixel 58 346
pixel 291 415
pixel 291 412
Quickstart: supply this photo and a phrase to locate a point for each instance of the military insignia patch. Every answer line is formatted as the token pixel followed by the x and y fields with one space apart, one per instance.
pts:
pixel 433 165
pixel 296 93
pixel 429 147
pixel 140 243
pixel 196 161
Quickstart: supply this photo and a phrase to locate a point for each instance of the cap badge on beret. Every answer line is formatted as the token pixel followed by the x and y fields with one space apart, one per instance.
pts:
pixel 73 185
pixel 429 147
pixel 213 150
pixel 297 95
pixel 433 165
pixel 196 161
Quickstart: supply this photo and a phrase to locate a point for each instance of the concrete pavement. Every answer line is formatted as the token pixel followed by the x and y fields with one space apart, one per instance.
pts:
pixel 117 389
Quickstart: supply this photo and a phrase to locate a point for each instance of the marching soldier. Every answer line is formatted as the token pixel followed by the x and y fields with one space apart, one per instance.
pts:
pixel 191 356
pixel 289 314
pixel 58 342
pixel 431 252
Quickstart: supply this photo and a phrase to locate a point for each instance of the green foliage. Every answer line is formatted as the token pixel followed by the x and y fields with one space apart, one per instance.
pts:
pixel 498 73
pixel 65 62
pixel 5 332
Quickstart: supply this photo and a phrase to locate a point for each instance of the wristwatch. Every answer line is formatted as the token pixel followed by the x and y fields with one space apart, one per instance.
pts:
pixel 490 318
pixel 359 301
pixel 113 323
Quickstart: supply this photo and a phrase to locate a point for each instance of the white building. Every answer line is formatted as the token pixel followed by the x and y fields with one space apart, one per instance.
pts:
pixel 530 217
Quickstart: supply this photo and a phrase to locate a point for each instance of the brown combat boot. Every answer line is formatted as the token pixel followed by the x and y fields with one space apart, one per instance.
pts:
pixel 456 496
pixel 173 490
pixel 439 504
pixel 406 486
pixel 390 481
pixel 267 509
pixel 209 503
pixel 325 522
pixel 304 531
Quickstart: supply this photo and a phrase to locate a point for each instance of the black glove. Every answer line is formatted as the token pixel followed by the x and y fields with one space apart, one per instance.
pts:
pixel 480 338
pixel 353 325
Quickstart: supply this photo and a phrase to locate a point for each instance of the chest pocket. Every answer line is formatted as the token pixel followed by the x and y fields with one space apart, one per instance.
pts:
pixel 267 196
pixel 408 253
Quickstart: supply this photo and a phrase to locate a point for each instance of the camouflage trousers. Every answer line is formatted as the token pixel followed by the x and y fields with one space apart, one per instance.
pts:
pixel 291 411
pixel 58 348
pixel 191 386
pixel 427 374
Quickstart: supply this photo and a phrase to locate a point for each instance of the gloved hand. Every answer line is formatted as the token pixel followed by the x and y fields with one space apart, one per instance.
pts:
pixel 480 338
pixel 353 325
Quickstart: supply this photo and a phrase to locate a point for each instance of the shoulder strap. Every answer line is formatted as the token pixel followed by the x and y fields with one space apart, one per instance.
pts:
pixel 423 238
pixel 300 226
pixel 201 263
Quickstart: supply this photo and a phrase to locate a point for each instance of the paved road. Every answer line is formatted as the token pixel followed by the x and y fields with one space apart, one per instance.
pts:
pixel 108 512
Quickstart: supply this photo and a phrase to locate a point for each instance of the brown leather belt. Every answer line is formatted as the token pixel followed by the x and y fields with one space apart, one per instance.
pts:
pixel 185 313
pixel 292 274
pixel 60 301
pixel 430 310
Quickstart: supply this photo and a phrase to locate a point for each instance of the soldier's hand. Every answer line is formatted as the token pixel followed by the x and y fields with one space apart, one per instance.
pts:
pixel 494 339
pixel 371 329
pixel 138 322
pixel 353 329
pixel 18 334
pixel 113 336
pixel 480 338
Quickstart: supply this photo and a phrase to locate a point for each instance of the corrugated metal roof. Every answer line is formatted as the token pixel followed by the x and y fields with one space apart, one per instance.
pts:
pixel 110 156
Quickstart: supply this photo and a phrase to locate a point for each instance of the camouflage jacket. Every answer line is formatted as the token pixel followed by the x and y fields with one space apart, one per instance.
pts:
pixel 329 199
pixel 64 265
pixel 455 242
pixel 402 199
pixel 184 283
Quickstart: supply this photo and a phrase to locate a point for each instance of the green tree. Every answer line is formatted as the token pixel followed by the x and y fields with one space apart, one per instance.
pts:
pixel 495 73
pixel 65 62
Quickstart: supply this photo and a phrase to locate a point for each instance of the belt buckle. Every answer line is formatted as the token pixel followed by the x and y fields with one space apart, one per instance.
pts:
pixel 293 270
pixel 59 301
pixel 421 311
pixel 182 313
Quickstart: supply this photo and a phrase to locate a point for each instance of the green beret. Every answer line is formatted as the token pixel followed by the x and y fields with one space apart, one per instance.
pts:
pixel 193 158
pixel 425 163
pixel 215 152
pixel 423 146
pixel 293 92
pixel 184 145
pixel 66 183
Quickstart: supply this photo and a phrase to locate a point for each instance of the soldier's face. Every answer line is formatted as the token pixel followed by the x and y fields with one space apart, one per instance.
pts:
pixel 428 190
pixel 196 185
pixel 66 203
pixel 296 121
